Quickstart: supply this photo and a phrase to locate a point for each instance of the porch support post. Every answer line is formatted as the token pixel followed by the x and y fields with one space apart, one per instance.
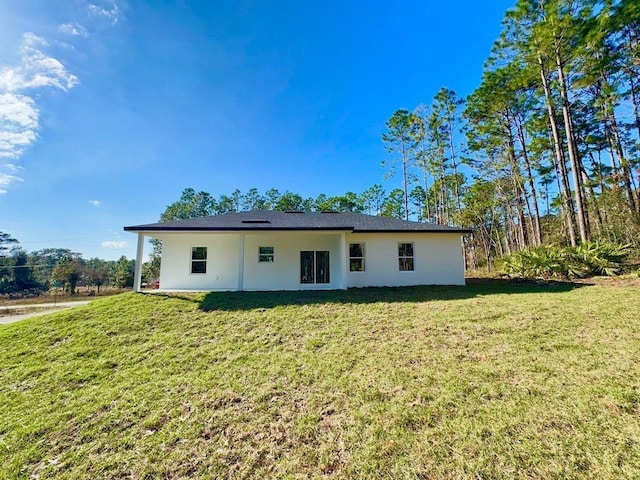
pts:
pixel 343 260
pixel 137 274
pixel 241 263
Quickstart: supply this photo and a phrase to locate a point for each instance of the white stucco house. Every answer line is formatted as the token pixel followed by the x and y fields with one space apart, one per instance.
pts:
pixel 267 250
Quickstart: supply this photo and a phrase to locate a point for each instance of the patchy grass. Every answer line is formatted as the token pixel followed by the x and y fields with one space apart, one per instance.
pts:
pixel 494 380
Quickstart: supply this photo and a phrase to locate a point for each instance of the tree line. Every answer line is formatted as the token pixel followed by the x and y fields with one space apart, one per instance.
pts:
pixel 62 268
pixel 373 201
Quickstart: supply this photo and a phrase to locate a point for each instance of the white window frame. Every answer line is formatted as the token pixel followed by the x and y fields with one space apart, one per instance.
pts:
pixel 198 260
pixel 362 258
pixel 271 255
pixel 411 257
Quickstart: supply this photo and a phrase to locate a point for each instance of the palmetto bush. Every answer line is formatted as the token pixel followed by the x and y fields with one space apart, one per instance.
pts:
pixel 600 258
pixel 543 261
pixel 548 261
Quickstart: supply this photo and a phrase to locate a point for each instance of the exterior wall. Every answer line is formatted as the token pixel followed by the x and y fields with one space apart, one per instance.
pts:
pixel 437 260
pixel 222 262
pixel 284 272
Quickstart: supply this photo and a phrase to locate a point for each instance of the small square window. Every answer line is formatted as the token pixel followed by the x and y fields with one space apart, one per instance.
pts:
pixel 266 254
pixel 356 257
pixel 199 260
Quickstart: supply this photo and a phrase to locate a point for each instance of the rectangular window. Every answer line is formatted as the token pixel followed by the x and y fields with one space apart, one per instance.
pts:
pixel 314 267
pixel 356 257
pixel 198 259
pixel 405 257
pixel 266 254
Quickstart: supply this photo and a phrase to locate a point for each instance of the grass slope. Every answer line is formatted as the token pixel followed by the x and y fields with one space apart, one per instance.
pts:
pixel 487 381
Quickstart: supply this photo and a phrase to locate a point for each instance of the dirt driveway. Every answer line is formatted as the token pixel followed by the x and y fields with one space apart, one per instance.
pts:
pixel 13 313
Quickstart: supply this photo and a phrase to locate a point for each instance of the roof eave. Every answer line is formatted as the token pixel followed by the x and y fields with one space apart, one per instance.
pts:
pixel 143 228
pixel 406 230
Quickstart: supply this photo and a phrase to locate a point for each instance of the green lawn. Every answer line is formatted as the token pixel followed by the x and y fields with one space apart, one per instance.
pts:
pixel 487 381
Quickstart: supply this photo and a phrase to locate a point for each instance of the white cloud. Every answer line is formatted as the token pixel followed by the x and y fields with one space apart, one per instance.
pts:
pixel 114 244
pixel 111 13
pixel 6 180
pixel 18 126
pixel 36 70
pixel 12 167
pixel 95 203
pixel 19 115
pixel 30 39
pixel 74 29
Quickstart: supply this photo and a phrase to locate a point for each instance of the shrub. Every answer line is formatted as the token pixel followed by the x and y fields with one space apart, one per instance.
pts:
pixel 600 258
pixel 543 261
pixel 589 258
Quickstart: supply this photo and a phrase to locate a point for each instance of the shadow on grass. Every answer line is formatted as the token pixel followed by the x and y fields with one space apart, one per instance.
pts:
pixel 234 301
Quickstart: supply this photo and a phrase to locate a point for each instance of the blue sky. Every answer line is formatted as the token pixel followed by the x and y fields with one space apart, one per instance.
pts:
pixel 109 109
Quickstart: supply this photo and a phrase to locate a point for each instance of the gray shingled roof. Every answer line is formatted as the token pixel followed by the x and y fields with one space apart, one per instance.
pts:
pixel 270 220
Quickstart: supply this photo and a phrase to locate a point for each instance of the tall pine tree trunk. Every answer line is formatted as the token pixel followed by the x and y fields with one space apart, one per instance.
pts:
pixel 565 195
pixel 405 163
pixel 560 161
pixel 517 191
pixel 454 162
pixel 574 157
pixel 532 185
pixel 592 194
pixel 625 169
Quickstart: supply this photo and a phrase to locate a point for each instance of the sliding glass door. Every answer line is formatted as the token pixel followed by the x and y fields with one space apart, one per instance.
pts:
pixel 314 266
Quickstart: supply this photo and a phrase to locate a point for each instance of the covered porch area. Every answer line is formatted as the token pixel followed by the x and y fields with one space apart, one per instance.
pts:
pixel 249 260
